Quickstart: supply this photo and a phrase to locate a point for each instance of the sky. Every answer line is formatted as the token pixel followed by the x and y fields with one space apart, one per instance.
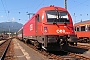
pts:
pixel 16 10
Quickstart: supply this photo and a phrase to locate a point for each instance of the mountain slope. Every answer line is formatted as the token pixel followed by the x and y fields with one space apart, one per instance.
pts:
pixel 12 26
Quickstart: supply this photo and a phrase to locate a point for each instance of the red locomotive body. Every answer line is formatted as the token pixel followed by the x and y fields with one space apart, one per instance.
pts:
pixel 82 30
pixel 49 28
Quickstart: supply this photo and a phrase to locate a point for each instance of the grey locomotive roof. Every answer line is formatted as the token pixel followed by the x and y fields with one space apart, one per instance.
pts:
pixel 83 22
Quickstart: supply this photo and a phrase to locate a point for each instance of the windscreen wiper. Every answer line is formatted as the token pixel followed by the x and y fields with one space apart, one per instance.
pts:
pixel 65 22
pixel 54 21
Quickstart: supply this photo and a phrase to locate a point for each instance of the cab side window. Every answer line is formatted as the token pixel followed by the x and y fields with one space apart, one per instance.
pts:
pixel 77 28
pixel 38 17
pixel 88 27
pixel 82 28
pixel 74 28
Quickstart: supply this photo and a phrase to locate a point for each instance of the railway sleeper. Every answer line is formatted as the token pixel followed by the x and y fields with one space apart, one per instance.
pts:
pixel 37 45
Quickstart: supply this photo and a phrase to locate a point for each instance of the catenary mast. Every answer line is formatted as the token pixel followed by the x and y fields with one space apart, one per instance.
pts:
pixel 65 4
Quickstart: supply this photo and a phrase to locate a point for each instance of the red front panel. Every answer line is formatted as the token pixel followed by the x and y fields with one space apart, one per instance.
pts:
pixel 57 29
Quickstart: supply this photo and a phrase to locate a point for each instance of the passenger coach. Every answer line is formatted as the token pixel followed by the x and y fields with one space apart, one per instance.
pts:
pixel 82 30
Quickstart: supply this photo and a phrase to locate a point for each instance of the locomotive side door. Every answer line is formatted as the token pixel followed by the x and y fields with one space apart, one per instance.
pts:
pixel 36 24
pixel 37 20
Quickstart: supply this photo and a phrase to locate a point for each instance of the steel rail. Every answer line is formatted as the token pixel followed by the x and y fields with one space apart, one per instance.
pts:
pixel 4 53
pixel 2 43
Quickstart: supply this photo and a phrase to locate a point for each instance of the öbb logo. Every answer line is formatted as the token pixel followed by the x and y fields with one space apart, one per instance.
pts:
pixel 60 31
pixel 31 27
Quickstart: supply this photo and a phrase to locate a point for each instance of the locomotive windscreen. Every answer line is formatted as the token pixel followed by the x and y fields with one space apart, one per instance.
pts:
pixel 57 16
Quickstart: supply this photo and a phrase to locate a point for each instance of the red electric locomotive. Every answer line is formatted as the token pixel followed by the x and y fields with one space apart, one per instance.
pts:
pixel 50 28
pixel 82 30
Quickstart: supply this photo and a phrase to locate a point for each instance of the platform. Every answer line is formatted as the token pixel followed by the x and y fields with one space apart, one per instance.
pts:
pixel 24 52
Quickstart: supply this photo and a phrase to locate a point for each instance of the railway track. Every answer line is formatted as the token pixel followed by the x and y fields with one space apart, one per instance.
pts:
pixel 84 45
pixel 85 54
pixel 3 49
pixel 80 56
pixel 2 41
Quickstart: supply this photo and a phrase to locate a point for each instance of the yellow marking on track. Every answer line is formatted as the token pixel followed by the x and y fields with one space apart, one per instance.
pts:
pixel 19 56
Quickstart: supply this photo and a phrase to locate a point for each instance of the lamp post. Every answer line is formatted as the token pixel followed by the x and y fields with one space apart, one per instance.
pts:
pixel 87 16
pixel 65 4
pixel 75 17
pixel 9 31
pixel 81 17
pixel 8 15
pixel 29 14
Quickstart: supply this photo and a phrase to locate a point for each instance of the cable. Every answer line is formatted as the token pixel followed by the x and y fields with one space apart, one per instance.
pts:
pixel 4 7
pixel 5 10
pixel 83 3
pixel 21 8
pixel 79 4
pixel 39 4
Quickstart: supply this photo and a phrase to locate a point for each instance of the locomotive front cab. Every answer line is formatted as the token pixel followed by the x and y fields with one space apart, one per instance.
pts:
pixel 59 20
pixel 58 27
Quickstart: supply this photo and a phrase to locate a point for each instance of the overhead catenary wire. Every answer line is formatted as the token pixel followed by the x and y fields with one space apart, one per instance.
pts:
pixel 80 3
pixel 35 9
pixel 43 1
pixel 7 14
pixel 4 8
pixel 83 3
pixel 39 5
